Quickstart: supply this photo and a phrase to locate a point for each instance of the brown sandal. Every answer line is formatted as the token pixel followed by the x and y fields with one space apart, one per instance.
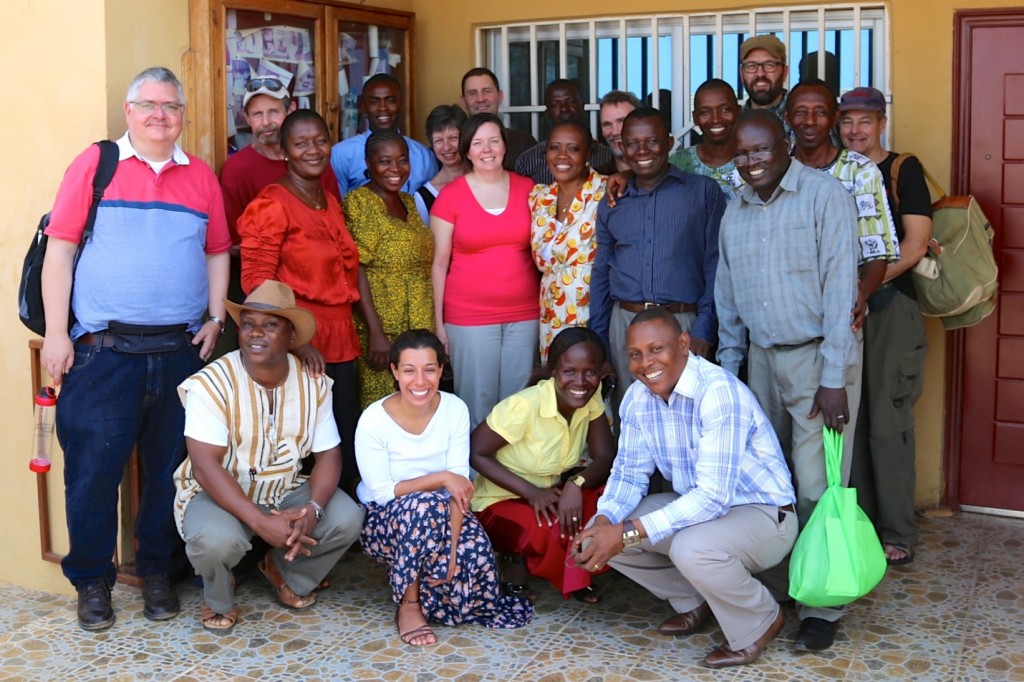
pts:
pixel 285 595
pixel 220 623
pixel 421 631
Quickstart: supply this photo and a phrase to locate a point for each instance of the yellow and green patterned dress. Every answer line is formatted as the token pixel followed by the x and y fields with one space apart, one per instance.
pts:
pixel 564 254
pixel 397 255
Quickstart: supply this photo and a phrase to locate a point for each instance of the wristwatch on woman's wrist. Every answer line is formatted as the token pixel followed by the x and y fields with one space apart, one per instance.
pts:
pixel 579 480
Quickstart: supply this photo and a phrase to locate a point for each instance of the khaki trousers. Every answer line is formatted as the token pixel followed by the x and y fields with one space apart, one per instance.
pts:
pixel 713 562
pixel 784 380
pixel 215 541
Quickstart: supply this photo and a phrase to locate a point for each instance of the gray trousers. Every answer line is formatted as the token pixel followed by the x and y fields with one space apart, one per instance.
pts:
pixel 215 541
pixel 491 362
pixel 617 325
pixel 884 447
pixel 784 380
pixel 713 562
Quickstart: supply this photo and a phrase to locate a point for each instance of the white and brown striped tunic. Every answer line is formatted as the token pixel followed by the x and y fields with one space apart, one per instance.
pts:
pixel 267 431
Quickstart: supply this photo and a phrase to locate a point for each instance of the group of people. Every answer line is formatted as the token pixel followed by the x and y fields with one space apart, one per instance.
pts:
pixel 537 273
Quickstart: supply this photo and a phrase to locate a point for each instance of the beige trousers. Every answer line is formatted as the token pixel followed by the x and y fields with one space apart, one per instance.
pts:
pixel 713 562
pixel 215 541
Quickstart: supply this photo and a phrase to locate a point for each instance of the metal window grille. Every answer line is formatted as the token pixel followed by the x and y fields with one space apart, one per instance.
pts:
pixel 645 54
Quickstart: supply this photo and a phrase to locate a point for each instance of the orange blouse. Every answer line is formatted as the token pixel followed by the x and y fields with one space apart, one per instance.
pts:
pixel 312 252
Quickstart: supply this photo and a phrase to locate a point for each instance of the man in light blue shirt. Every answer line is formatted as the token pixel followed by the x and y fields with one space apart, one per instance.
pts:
pixel 730 511
pixel 381 104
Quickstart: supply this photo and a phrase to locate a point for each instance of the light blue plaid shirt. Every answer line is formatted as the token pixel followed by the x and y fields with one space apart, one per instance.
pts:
pixel 787 271
pixel 711 441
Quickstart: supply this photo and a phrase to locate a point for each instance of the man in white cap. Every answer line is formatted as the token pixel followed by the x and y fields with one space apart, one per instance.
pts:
pixel 251 418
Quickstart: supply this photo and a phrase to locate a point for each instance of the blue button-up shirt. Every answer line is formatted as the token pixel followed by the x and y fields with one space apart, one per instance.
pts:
pixel 659 246
pixel 348 160
pixel 711 441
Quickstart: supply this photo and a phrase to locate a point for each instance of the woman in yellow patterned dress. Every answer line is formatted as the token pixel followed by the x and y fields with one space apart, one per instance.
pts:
pixel 395 253
pixel 564 235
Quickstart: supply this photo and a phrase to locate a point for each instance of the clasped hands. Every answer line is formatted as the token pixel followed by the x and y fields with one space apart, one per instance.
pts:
pixel 290 528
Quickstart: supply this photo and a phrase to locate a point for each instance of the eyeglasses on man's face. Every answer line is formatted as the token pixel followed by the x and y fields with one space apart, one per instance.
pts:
pixel 149 107
pixel 756 156
pixel 769 67
pixel 268 83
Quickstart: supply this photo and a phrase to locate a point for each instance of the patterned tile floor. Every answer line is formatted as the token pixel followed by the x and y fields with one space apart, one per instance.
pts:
pixel 956 614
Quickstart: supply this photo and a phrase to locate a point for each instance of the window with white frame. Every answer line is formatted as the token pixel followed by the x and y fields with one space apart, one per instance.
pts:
pixel 675 53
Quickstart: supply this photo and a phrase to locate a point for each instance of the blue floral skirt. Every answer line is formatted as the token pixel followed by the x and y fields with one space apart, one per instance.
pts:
pixel 412 535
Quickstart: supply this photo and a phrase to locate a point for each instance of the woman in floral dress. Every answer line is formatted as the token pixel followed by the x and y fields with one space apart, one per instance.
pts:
pixel 412 448
pixel 564 234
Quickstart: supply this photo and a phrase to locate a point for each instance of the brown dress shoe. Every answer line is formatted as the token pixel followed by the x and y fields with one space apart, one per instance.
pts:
pixel 684 623
pixel 723 656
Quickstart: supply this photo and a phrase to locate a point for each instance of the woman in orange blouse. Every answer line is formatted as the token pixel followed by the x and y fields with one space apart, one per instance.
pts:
pixel 564 234
pixel 295 233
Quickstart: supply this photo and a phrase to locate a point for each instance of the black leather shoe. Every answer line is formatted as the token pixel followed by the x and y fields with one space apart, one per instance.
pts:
pixel 815 634
pixel 161 603
pixel 94 609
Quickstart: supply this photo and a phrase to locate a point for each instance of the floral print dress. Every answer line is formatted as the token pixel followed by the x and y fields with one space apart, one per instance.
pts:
pixel 564 252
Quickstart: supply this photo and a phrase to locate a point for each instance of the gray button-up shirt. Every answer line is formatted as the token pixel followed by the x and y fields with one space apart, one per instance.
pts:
pixel 787 271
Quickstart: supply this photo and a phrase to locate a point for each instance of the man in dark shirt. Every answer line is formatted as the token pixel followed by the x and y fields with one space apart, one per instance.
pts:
pixel 657 247
pixel 894 339
pixel 481 94
pixel 563 101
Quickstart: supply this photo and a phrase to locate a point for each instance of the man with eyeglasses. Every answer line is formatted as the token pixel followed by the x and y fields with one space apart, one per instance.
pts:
pixel 148 296
pixel 381 104
pixel 764 72
pixel 787 281
pixel 265 105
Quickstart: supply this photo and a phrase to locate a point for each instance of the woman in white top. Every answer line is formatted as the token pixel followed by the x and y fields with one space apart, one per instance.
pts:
pixel 443 124
pixel 412 448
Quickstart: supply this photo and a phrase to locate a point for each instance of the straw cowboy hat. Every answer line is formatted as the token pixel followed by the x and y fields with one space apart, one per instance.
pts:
pixel 277 298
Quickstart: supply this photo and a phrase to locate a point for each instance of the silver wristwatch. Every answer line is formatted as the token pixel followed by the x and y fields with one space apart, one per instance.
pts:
pixel 318 511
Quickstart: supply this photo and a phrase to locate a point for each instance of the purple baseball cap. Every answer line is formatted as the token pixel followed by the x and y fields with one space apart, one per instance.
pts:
pixel 863 99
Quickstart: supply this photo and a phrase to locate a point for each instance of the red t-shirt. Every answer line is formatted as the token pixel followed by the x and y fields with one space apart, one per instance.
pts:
pixel 492 278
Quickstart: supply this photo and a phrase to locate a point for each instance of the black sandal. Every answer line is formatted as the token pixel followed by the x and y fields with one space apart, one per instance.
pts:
pixel 587 595
pixel 421 631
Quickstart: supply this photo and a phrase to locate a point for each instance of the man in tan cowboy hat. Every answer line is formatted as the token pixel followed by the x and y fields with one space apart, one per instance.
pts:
pixel 251 417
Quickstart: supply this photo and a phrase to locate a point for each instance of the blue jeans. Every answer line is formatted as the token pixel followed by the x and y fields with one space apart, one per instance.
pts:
pixel 111 402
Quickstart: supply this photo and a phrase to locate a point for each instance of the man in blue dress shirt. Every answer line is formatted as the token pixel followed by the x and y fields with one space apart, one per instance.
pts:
pixel 658 247
pixel 381 104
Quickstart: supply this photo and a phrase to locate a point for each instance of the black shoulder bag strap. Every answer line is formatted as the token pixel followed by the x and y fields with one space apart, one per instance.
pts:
pixel 104 174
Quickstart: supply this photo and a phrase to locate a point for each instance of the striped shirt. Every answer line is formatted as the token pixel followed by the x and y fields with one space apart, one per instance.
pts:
pixel 659 246
pixel 711 441
pixel 787 271
pixel 267 432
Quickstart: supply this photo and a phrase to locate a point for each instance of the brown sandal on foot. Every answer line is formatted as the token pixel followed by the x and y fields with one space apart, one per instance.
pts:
pixel 285 595
pixel 220 623
pixel 421 631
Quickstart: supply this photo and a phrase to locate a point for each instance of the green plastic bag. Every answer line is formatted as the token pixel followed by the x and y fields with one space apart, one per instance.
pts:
pixel 837 557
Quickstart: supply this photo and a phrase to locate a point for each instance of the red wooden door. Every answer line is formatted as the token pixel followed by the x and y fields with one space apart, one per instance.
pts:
pixel 991 164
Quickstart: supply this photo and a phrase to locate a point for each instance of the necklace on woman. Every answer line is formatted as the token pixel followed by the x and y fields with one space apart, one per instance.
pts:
pixel 315 200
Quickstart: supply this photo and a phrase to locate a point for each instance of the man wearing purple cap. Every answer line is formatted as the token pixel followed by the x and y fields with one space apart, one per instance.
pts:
pixel 894 338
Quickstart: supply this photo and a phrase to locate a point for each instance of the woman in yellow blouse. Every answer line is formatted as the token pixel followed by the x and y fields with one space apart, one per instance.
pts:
pixel 523 449
pixel 395 253
pixel 564 235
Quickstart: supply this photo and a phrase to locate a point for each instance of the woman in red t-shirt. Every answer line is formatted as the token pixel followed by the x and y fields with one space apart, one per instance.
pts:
pixel 485 282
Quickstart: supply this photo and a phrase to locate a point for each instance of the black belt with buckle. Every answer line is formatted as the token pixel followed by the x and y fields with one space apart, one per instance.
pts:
pixel 631 307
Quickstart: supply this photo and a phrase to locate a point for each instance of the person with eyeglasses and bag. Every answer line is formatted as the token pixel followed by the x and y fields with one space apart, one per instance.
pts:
pixel 148 294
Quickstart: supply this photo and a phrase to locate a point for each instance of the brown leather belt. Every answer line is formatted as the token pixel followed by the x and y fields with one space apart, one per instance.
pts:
pixel 670 307
pixel 788 508
pixel 98 339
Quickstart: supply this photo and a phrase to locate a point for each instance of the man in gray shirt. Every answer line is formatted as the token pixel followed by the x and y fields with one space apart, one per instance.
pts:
pixel 787 276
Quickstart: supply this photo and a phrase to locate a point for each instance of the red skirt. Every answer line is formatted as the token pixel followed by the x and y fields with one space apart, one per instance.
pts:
pixel 512 527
